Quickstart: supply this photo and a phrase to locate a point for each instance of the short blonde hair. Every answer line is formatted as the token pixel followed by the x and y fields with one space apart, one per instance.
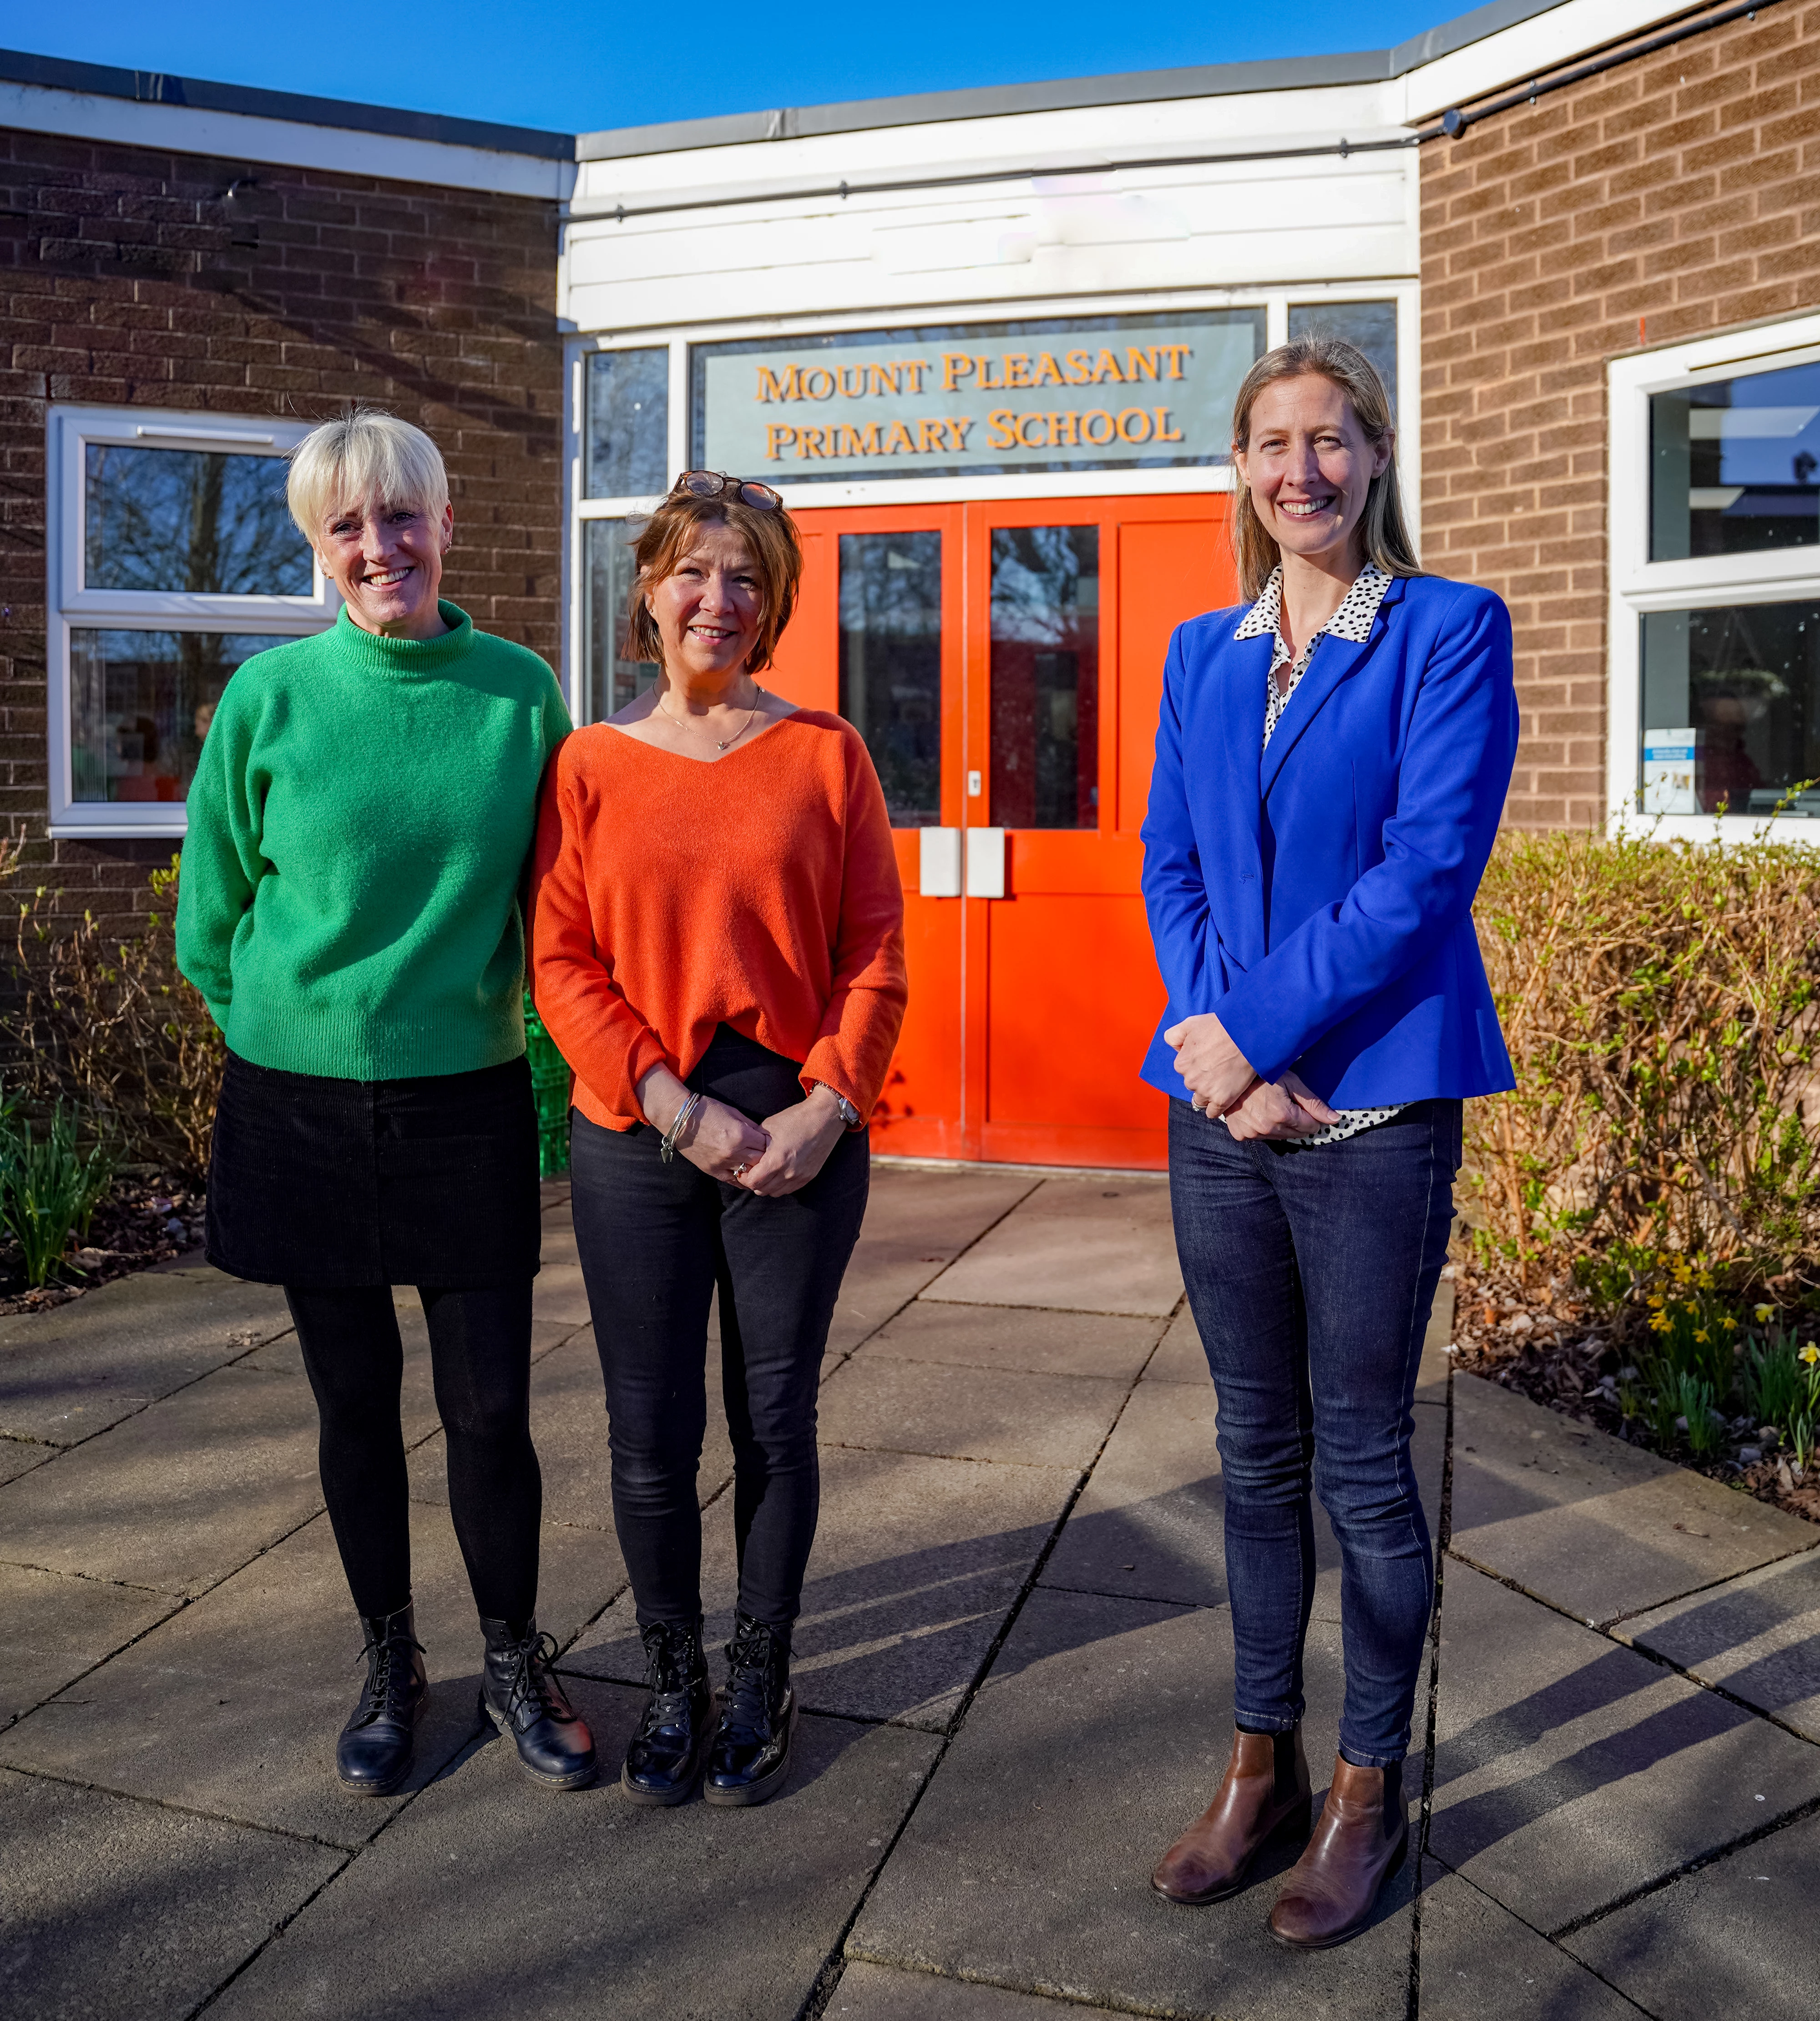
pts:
pixel 1386 530
pixel 367 456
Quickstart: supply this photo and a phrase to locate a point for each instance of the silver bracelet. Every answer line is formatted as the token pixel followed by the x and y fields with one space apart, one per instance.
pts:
pixel 691 1103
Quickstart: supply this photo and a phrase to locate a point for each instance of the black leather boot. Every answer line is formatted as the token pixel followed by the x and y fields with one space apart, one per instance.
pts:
pixel 750 1758
pixel 373 1755
pixel 667 1752
pixel 523 1699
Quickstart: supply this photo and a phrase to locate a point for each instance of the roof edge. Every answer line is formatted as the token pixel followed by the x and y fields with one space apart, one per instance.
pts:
pixel 199 94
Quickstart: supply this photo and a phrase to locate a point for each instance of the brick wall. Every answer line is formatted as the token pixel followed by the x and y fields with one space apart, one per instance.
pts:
pixel 1674 194
pixel 126 279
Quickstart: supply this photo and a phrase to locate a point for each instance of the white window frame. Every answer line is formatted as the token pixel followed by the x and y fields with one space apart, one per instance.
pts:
pixel 70 606
pixel 1274 301
pixel 1639 585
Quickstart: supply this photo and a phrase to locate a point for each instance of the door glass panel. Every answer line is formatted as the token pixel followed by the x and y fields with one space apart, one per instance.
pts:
pixel 192 520
pixel 140 704
pixel 612 680
pixel 1734 465
pixel 1046 676
pixel 890 664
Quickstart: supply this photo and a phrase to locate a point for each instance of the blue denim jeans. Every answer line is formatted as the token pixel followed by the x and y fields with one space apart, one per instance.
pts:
pixel 1311 1270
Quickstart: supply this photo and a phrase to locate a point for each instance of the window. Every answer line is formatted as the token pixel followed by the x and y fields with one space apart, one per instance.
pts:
pixel 613 680
pixel 1370 326
pixel 626 449
pixel 173 559
pixel 1714 644
pixel 890 664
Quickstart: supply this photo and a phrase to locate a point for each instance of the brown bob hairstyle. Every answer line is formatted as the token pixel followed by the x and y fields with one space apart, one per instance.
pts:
pixel 670 533
pixel 1386 531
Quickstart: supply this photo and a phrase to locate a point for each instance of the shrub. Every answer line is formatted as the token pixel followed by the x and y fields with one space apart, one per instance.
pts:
pixel 1660 1001
pixel 50 1188
pixel 110 1026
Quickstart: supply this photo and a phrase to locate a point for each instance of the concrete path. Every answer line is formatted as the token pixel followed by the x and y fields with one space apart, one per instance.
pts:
pixel 1015 1656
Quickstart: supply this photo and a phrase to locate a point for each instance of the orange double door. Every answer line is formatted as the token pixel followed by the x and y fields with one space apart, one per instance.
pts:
pixel 1004 662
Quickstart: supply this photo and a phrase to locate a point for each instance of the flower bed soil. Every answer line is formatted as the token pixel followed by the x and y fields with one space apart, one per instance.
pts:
pixel 147 1218
pixel 1547 1345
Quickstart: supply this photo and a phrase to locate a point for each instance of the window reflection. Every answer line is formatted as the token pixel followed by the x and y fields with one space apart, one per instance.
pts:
pixel 193 520
pixel 628 423
pixel 612 680
pixel 1731 707
pixel 1733 465
pixel 1046 676
pixel 890 664
pixel 1368 326
pixel 141 703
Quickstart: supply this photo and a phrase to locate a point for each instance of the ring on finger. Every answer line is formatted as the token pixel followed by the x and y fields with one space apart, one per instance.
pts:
pixel 739 1168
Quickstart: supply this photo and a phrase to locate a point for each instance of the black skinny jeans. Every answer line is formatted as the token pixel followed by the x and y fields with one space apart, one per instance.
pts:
pixel 655 1241
pixel 480 1347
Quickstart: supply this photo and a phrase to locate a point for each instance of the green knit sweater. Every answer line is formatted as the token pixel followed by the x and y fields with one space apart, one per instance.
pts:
pixel 358 823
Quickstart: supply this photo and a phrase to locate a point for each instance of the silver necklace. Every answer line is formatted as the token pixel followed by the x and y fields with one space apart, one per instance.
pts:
pixel 726 743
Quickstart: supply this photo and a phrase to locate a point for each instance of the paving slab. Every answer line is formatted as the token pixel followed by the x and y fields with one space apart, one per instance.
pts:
pixel 70 1372
pixel 895 1405
pixel 118 1908
pixel 1149 1523
pixel 1759 1636
pixel 1040 1343
pixel 876 1993
pixel 57 1627
pixel 232 1705
pixel 1091 1245
pixel 1569 1771
pixel 180 1495
pixel 917 1563
pixel 1479 1959
pixel 19 1456
pixel 1589 1523
pixel 491 1896
pixel 1180 1356
pixel 917 1222
pixel 1735 1938
pixel 1101 1731
pixel 559 1296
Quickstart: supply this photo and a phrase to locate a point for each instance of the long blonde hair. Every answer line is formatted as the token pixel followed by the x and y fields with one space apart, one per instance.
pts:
pixel 1386 531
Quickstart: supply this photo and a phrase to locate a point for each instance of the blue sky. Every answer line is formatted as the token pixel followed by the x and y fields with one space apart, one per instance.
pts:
pixel 578 65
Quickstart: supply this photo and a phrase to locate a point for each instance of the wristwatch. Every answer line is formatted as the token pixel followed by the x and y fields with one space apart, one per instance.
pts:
pixel 848 1114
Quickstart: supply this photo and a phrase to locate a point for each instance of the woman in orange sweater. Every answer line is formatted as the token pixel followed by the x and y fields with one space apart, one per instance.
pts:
pixel 718 947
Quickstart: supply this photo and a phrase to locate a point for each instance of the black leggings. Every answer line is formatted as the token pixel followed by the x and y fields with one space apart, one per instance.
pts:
pixel 480 1347
pixel 655 1240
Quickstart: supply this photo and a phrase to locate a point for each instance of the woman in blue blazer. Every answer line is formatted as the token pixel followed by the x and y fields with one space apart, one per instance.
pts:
pixel 1331 764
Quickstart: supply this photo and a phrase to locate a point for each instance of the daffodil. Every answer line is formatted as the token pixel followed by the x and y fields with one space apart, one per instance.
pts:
pixel 1729 1323
pixel 1656 1301
pixel 1705 1280
pixel 1661 1322
pixel 1761 1313
pixel 1810 1354
pixel 1702 1334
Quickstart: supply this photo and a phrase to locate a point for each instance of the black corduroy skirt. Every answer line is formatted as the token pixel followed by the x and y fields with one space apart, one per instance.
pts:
pixel 328 1183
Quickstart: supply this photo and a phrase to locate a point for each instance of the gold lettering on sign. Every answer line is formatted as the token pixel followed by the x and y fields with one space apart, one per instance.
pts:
pixel 859 441
pixel 914 369
pixel 929 438
pixel 1140 364
pixel 986 382
pixel 857 390
pixel 811 391
pixel 957 425
pixel 1135 425
pixel 788 387
pixel 1176 353
pixel 1164 432
pixel 1017 369
pixel 1042 441
pixel 1106 366
pixel 884 377
pixel 1064 431
pixel 1080 368
pixel 1098 414
pixel 1001 429
pixel 956 367
pixel 898 442
pixel 1048 373
pixel 778 437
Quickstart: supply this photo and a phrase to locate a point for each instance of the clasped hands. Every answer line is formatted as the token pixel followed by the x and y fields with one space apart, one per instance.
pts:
pixel 1222 1083
pixel 779 1156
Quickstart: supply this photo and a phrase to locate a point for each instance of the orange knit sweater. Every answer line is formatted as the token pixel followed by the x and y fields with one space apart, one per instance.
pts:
pixel 761 891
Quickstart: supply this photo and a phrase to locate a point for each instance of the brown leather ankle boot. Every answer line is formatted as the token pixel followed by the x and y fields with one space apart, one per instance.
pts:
pixel 1265 1791
pixel 1358 1844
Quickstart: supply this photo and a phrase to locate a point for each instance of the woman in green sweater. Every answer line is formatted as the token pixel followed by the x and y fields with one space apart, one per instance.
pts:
pixel 358 826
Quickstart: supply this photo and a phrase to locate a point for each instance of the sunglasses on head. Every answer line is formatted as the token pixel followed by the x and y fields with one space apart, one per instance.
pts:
pixel 712 483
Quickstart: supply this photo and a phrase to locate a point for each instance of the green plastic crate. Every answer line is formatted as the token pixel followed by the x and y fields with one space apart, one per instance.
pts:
pixel 552 1083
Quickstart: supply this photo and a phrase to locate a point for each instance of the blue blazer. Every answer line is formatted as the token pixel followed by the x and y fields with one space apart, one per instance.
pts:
pixel 1318 895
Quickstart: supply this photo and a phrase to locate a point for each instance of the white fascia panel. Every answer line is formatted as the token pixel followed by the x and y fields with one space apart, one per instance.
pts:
pixel 1531 49
pixel 239 136
pixel 1060 142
